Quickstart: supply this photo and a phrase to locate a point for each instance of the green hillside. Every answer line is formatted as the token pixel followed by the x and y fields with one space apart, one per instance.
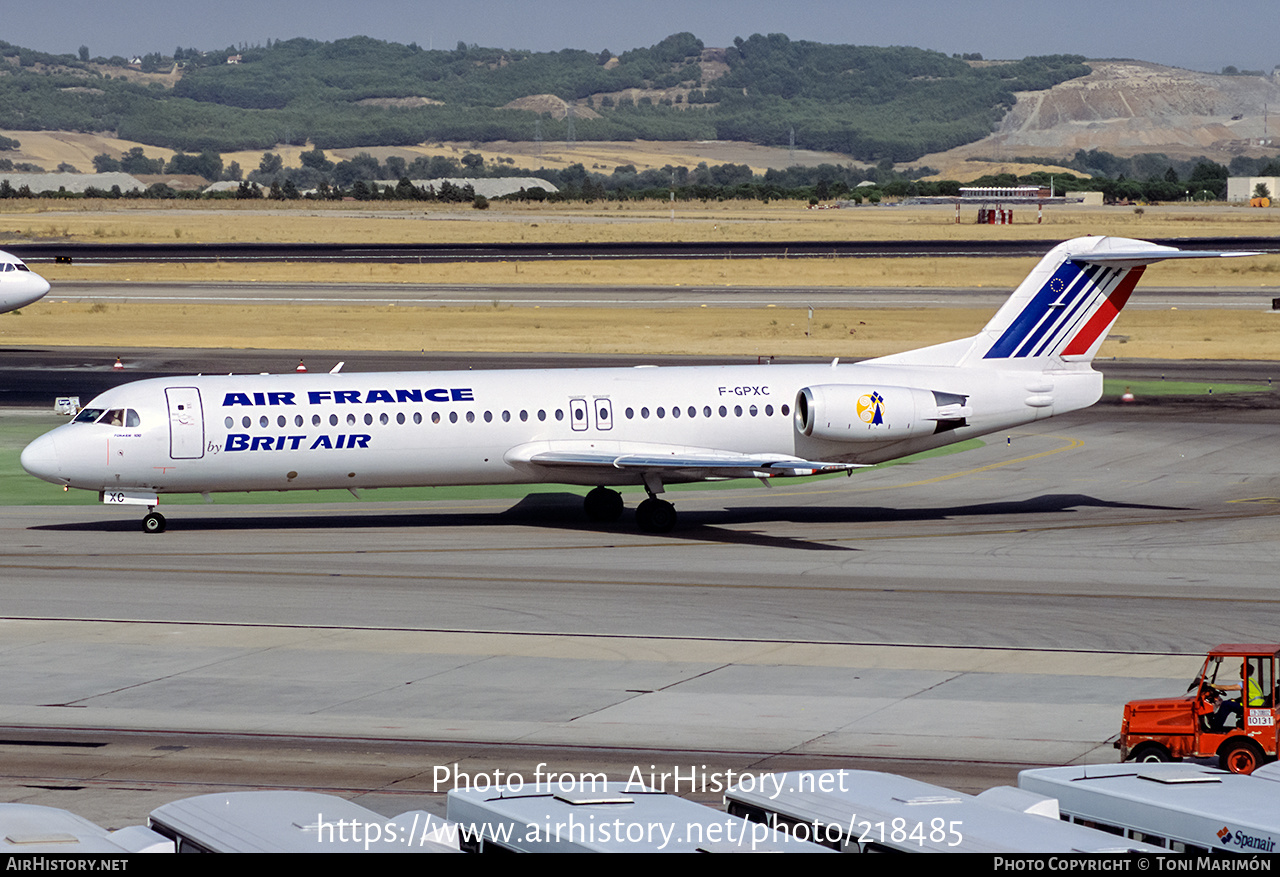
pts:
pixel 866 102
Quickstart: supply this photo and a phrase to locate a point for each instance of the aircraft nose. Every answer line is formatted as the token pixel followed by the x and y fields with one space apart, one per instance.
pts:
pixel 40 458
pixel 37 286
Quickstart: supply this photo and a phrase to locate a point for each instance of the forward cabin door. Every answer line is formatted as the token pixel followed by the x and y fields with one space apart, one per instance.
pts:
pixel 186 423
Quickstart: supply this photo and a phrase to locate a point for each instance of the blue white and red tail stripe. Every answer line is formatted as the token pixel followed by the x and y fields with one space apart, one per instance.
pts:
pixel 1069 313
pixel 1066 305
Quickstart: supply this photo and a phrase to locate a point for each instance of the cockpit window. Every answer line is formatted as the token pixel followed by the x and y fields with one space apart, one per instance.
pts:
pixel 7 266
pixel 19 266
pixel 122 417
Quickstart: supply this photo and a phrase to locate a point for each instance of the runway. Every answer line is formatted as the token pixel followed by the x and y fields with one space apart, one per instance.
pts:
pixel 969 613
pixel 442 295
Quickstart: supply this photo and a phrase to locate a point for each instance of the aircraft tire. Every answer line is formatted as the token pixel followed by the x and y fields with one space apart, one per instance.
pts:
pixel 603 506
pixel 153 523
pixel 656 516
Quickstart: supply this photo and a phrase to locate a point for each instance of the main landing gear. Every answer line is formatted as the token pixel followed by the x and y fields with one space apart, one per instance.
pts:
pixel 153 522
pixel 604 506
pixel 656 515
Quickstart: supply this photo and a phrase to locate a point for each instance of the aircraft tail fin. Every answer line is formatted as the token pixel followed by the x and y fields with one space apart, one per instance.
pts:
pixel 1062 311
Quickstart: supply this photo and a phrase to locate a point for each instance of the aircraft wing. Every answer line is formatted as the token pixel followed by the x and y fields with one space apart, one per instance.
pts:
pixel 676 463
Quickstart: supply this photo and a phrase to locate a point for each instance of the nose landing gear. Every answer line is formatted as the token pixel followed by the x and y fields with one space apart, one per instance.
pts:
pixel 153 522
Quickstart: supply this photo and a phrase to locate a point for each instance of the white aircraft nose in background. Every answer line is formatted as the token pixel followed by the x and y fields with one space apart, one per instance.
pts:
pixel 40 458
pixel 19 285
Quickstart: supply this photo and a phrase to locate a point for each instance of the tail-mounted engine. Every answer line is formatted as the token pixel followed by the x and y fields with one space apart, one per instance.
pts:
pixel 867 413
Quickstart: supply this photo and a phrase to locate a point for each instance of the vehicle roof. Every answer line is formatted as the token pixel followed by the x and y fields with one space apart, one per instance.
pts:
pixel 274 820
pixel 1232 649
pixel 999 820
pixel 601 816
pixel 1188 794
pixel 34 828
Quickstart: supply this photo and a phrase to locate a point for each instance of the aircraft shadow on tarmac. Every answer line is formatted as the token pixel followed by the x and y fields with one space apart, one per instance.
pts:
pixel 563 511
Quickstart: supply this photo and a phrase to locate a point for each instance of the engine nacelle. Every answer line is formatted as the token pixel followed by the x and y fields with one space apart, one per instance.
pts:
pixel 866 413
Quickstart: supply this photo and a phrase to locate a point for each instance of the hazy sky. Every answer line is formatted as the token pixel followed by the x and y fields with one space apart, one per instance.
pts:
pixel 1185 33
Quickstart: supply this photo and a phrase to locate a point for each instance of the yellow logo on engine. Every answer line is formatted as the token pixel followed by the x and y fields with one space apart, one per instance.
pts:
pixel 871 409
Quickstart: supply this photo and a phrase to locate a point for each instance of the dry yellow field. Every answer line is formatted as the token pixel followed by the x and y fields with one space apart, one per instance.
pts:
pixel 404 222
pixel 764 331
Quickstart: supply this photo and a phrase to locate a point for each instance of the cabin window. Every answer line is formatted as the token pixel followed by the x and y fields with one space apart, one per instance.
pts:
pixel 400 418
pixel 768 410
pixel 706 410
pixel 230 422
pixel 559 414
pixel 417 417
pixel 384 419
pixel 246 422
pixel 693 412
pixel 786 409
pixel 542 415
pixel 471 417
pixel 753 410
pixel 333 420
pixel 724 412
pixel 675 411
pixel 453 417
pixel 661 413
pixel 281 421
pixel 351 420
pixel 524 415
pixel 737 410
pixel 435 416
pixel 631 413
pixel 297 420
pixel 368 420
pixel 644 413
pixel 488 417
pixel 506 417
pixel 315 419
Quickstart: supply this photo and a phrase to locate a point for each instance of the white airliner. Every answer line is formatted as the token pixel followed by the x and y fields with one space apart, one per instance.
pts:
pixel 604 427
pixel 19 285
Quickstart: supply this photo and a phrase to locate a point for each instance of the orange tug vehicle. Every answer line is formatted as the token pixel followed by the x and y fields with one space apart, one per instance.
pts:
pixel 1229 711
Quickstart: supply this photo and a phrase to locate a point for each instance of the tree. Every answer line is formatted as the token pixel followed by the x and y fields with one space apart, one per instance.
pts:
pixel 271 163
pixel 1261 191
pixel 135 161
pixel 315 159
pixel 84 53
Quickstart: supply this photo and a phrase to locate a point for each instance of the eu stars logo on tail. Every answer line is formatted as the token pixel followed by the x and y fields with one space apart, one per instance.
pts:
pixel 605 428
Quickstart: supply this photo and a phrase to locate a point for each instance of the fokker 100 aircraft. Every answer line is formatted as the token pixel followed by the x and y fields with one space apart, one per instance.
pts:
pixel 604 427
pixel 19 285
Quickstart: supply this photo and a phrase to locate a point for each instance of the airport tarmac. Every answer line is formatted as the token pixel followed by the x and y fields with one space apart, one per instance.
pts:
pixel 967 614
pixel 586 295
